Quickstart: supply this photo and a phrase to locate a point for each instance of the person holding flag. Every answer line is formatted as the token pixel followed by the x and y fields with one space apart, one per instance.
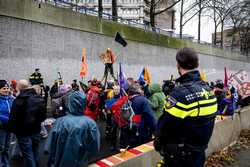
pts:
pixel 108 59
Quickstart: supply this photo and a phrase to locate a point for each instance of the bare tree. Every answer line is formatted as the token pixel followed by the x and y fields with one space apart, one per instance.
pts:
pixel 239 20
pixel 216 19
pixel 244 27
pixel 157 7
pixel 203 5
pixel 185 11
pixel 220 11
pixel 100 8
pixel 114 10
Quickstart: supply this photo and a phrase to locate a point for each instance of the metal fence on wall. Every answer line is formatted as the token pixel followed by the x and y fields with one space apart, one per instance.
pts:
pixel 89 11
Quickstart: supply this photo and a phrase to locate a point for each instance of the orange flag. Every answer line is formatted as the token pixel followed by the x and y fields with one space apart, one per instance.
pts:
pixel 203 75
pixel 147 76
pixel 84 65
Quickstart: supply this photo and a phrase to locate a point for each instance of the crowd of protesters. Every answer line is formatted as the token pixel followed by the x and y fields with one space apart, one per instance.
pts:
pixel 130 113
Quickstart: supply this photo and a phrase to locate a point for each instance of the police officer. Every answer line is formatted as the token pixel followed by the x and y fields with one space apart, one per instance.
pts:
pixel 36 77
pixel 184 129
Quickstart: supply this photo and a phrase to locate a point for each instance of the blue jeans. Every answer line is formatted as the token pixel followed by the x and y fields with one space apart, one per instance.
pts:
pixel 29 146
pixel 4 148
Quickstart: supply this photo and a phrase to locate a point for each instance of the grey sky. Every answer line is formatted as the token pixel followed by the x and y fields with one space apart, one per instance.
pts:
pixel 191 28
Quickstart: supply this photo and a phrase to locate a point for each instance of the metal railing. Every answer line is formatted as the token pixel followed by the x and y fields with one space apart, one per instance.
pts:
pixel 90 11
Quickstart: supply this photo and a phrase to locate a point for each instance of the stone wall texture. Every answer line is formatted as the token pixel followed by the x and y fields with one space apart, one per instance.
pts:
pixel 26 45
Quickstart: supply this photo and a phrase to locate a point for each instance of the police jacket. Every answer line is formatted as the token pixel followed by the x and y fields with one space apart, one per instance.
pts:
pixel 188 114
pixel 36 78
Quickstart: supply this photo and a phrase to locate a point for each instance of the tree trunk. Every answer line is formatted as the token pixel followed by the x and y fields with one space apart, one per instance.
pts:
pixel 215 25
pixel 152 14
pixel 233 37
pixel 100 8
pixel 221 34
pixel 181 18
pixel 215 33
pixel 199 22
pixel 114 10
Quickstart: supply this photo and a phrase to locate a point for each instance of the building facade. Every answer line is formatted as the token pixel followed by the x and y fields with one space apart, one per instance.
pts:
pixel 130 10
pixel 231 39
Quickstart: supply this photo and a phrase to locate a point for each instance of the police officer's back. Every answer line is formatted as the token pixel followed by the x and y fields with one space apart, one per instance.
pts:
pixel 184 129
pixel 36 77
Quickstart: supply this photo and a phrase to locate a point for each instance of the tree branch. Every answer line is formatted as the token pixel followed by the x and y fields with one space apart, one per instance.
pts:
pixel 167 8
pixel 190 18
pixel 190 8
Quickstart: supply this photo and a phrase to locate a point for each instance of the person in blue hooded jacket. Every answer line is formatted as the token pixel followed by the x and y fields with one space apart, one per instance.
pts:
pixel 144 120
pixel 5 106
pixel 74 138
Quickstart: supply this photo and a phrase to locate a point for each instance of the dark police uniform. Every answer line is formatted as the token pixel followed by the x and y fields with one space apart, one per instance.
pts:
pixel 184 129
pixel 36 79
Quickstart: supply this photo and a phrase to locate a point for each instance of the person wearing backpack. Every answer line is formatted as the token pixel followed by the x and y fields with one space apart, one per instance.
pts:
pixel 142 124
pixel 93 101
pixel 60 99
pixel 27 113
pixel 6 101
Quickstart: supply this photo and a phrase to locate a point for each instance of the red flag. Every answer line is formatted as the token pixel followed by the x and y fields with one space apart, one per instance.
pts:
pixel 84 65
pixel 225 78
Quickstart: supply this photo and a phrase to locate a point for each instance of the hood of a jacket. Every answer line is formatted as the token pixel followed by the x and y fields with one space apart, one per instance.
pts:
pixel 76 103
pixel 27 93
pixel 154 88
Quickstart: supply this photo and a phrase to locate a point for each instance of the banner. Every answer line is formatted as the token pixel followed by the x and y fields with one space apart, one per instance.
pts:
pixel 241 82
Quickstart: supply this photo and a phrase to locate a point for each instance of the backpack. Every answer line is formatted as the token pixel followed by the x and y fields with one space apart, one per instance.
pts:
pixel 26 115
pixel 35 110
pixel 124 115
pixel 58 105
pixel 93 99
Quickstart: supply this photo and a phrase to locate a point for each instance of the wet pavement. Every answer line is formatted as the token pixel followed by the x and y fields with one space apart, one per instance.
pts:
pixel 242 159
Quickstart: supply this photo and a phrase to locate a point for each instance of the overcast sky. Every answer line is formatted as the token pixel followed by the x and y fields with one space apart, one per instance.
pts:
pixel 191 27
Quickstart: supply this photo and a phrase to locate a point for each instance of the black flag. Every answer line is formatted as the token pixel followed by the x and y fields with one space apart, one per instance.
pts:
pixel 120 39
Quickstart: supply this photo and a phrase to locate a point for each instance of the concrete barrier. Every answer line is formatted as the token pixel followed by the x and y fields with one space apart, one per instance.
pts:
pixel 225 132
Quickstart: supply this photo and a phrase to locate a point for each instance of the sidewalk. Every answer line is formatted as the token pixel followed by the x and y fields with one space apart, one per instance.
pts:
pixel 237 155
pixel 242 159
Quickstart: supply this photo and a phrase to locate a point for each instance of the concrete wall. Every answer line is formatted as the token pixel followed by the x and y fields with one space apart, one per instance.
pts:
pixel 52 39
pixel 29 10
pixel 225 133
pixel 25 45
